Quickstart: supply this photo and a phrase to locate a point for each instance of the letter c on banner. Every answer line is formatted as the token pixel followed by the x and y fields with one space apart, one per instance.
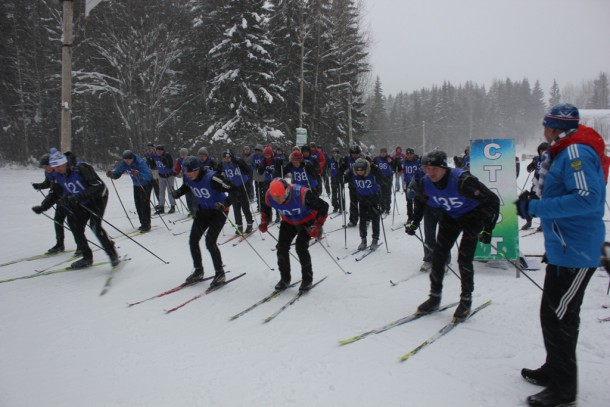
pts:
pixel 492 155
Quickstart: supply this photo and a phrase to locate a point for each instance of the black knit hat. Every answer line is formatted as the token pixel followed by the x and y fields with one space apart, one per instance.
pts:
pixel 435 158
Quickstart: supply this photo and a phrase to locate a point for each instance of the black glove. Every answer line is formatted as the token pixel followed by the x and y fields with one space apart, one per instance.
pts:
pixel 531 166
pixel 176 194
pixel 485 237
pixel 37 186
pixel 220 206
pixel 37 209
pixel 69 201
pixel 109 174
pixel 523 204
pixel 411 228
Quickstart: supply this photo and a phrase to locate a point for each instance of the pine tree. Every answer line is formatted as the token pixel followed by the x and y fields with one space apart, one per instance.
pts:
pixel 377 117
pixel 244 88
pixel 555 94
pixel 600 99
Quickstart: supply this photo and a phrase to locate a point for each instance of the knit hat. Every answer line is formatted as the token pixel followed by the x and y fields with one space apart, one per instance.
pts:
pixel 296 155
pixel 128 155
pixel 258 147
pixel 410 151
pixel 44 160
pixel 184 151
pixel 268 151
pixel 361 164
pixel 227 153
pixel 203 150
pixel 57 158
pixel 305 148
pixel 190 164
pixel 435 158
pixel 562 116
pixel 160 147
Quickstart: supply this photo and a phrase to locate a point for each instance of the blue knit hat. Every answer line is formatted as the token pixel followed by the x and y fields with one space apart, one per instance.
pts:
pixel 57 158
pixel 562 116
pixel 190 164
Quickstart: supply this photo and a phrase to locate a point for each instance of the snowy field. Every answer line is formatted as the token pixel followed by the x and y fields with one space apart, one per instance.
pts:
pixel 62 344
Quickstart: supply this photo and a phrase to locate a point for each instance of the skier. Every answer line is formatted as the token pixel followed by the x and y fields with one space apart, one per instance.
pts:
pixel 469 208
pixel 397 157
pixel 303 215
pixel 84 196
pixel 366 180
pixel 385 165
pixel 165 163
pixel 336 180
pixel 573 177
pixel 149 156
pixel 209 188
pixel 237 172
pixel 302 172
pixel 60 213
pixel 141 176
pixel 409 167
pixel 207 162
pixel 355 152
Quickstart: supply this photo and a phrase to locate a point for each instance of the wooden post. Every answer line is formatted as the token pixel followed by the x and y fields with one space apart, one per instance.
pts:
pixel 66 77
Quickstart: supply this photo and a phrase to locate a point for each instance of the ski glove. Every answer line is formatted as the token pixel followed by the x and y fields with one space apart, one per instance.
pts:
pixel 69 201
pixel 220 206
pixel 411 228
pixel 316 229
pixel 523 204
pixel 37 186
pixel 485 237
pixel 109 174
pixel 264 223
pixel 37 209
pixel 176 194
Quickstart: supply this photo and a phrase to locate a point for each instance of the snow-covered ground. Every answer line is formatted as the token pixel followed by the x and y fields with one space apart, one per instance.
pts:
pixel 61 344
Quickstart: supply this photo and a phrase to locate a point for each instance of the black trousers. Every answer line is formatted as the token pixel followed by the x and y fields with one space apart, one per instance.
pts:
pixel 212 221
pixel 564 289
pixel 386 194
pixel 92 212
pixel 448 232
pixel 141 197
pixel 240 202
pixel 286 236
pixel 59 218
pixel 369 213
pixel 431 218
pixel 337 192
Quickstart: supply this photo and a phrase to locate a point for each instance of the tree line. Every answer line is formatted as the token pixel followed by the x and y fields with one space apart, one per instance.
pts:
pixel 224 74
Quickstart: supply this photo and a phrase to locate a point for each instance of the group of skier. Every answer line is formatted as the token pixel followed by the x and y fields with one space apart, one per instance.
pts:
pixel 569 181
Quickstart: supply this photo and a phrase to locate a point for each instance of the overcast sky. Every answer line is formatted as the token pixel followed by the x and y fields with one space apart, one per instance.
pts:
pixel 420 43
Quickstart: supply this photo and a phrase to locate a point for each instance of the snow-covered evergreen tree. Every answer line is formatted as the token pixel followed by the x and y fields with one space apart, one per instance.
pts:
pixel 244 88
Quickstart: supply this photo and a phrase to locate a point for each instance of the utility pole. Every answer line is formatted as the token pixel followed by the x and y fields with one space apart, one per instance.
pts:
pixel 349 116
pixel 423 136
pixel 66 76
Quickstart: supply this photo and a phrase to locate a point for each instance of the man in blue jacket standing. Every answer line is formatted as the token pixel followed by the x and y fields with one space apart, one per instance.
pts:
pixel 573 183
pixel 142 178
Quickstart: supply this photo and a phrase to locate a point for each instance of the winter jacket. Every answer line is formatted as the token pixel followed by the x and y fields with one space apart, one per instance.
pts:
pixel 573 199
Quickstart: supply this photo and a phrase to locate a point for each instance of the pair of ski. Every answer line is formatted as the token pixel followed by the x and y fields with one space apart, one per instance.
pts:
pixel 106 287
pixel 443 331
pixel 36 257
pixel 363 253
pixel 267 298
pixel 209 290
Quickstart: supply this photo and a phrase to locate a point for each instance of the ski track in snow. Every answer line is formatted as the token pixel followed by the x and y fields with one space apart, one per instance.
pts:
pixel 63 344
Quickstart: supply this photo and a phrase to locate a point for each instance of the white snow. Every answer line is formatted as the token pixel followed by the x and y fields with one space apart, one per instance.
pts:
pixel 64 345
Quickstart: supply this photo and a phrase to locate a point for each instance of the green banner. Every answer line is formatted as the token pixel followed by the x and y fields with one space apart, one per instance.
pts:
pixel 493 163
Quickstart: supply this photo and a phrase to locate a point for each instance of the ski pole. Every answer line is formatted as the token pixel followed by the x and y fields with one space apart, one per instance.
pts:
pixel 447 265
pixel 121 201
pixel 246 240
pixel 384 235
pixel 527 179
pixel 518 267
pixel 336 262
pixel 344 209
pixel 289 252
pixel 62 225
pixel 123 233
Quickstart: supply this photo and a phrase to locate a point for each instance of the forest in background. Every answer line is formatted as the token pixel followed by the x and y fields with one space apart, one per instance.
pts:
pixel 215 73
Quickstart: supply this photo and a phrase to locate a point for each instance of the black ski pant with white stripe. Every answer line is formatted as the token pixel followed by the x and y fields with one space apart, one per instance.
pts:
pixel 564 289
